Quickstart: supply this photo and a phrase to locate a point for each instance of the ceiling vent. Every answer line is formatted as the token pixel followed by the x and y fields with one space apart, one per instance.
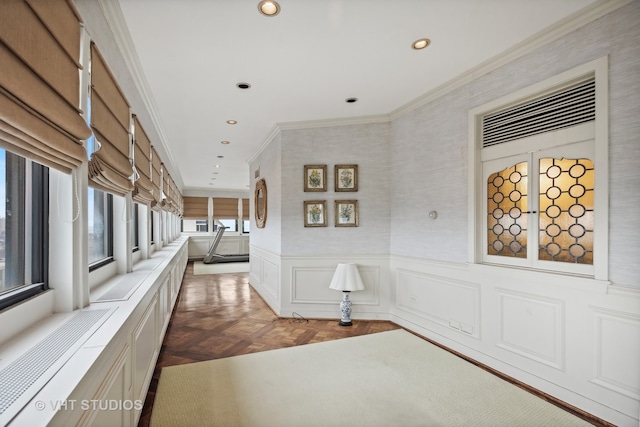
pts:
pixel 564 108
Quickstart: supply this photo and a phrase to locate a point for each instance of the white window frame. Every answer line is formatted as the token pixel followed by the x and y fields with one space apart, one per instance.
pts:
pixel 598 131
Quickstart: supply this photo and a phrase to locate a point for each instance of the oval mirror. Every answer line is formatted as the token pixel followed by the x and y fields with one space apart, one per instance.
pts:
pixel 260 203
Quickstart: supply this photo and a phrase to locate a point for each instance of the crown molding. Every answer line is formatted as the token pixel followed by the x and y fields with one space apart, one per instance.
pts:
pixel 116 22
pixel 549 34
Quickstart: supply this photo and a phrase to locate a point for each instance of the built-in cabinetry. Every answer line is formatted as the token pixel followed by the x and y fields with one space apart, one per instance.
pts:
pixel 104 382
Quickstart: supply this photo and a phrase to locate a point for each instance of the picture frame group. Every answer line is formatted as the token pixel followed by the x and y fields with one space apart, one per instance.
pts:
pixel 345 212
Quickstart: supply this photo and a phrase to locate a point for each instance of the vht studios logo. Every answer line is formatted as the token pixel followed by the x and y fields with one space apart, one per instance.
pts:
pixel 90 405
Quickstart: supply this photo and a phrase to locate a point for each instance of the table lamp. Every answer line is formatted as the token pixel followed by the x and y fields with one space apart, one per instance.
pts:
pixel 346 279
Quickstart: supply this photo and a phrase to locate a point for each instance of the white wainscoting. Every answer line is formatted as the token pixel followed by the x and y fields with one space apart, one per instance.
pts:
pixel 572 337
pixel 454 304
pixel 301 284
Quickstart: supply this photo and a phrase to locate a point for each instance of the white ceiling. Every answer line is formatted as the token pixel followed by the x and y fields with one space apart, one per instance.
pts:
pixel 303 63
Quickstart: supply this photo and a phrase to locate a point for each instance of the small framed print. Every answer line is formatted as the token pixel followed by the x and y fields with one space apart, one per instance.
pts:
pixel 315 177
pixel 346 177
pixel 315 213
pixel 346 213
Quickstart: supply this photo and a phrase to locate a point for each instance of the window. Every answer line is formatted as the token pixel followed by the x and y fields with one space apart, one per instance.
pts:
pixel 194 225
pixel 538 169
pixel 100 224
pixel 135 228
pixel 24 214
pixel 231 224
pixel 246 226
pixel 540 208
pixel 151 229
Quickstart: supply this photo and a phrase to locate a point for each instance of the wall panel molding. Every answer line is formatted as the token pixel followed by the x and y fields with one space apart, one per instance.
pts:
pixel 610 328
pixel 532 326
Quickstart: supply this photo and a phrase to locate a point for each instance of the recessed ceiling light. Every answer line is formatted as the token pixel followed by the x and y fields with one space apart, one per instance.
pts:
pixel 269 8
pixel 217 166
pixel 420 44
pixel 243 85
pixel 351 100
pixel 225 142
pixel 221 157
pixel 232 122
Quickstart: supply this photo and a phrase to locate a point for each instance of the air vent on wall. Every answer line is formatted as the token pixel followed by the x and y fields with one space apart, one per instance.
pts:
pixel 568 107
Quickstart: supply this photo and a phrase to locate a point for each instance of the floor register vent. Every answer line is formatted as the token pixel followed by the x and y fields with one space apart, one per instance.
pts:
pixel 28 370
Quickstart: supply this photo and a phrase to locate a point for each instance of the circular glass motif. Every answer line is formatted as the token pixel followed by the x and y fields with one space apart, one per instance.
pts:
pixel 515 247
pixel 515 177
pixel 576 230
pixel 553 192
pixel 553 211
pixel 515 195
pixel 515 213
pixel 498 245
pixel 554 171
pixel 577 250
pixel 497 213
pixel 498 197
pixel 576 211
pixel 577 190
pixel 498 181
pixel 553 230
pixel 515 229
pixel 577 171
pixel 553 249
pixel 498 229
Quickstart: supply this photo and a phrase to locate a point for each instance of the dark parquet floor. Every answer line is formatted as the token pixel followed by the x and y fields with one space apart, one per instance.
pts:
pixel 220 315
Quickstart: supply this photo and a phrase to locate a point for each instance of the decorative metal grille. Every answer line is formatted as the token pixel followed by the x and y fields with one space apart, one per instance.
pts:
pixel 507 214
pixel 566 210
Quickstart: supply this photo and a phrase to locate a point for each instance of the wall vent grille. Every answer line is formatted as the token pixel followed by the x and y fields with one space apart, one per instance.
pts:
pixel 17 377
pixel 564 108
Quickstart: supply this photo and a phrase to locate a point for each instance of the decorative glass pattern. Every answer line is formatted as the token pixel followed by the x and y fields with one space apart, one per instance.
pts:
pixel 566 210
pixel 507 212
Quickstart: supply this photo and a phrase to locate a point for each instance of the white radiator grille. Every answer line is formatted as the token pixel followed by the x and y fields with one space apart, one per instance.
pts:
pixel 127 284
pixel 568 107
pixel 25 371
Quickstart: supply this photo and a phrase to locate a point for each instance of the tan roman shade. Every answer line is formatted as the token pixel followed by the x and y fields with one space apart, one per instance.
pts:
pixel 143 191
pixel 245 209
pixel 110 167
pixel 40 83
pixel 196 207
pixel 156 178
pixel 225 208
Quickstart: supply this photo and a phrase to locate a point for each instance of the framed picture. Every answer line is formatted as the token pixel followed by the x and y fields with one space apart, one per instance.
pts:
pixel 315 177
pixel 315 213
pixel 346 177
pixel 346 213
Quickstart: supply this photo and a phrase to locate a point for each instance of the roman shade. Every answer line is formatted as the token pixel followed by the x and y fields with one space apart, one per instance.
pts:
pixel 40 83
pixel 143 191
pixel 245 209
pixel 196 207
pixel 225 208
pixel 156 179
pixel 110 166
pixel 172 201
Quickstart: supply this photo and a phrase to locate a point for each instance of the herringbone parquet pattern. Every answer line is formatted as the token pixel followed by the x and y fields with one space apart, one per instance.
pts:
pixel 220 315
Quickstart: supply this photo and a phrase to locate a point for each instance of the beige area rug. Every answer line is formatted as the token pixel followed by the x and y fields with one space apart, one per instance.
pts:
pixel 386 379
pixel 200 267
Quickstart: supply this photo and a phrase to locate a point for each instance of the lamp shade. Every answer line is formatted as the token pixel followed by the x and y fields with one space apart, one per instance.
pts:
pixel 346 278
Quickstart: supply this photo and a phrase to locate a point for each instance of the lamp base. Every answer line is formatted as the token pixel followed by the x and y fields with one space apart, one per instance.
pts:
pixel 345 309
